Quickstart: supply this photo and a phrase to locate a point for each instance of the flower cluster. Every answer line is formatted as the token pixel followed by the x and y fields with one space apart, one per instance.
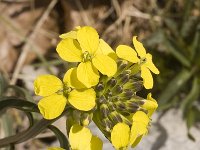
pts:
pixel 102 87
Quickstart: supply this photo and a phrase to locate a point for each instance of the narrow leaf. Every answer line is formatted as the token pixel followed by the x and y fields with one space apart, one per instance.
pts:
pixel 11 102
pixel 174 86
pixel 64 143
pixel 191 97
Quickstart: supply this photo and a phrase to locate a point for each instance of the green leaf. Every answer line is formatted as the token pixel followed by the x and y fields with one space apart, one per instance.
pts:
pixel 29 133
pixel 22 92
pixel 174 86
pixel 191 97
pixel 64 143
pixel 179 56
pixel 196 46
pixel 11 102
pixel 30 118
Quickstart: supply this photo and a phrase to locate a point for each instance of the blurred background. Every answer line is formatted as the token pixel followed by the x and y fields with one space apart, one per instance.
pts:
pixel 169 29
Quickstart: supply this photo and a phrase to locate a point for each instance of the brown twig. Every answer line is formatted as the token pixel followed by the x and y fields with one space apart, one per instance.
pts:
pixel 26 46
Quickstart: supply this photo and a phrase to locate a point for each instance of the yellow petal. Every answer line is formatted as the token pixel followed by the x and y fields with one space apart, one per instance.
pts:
pixel 138 130
pixel 127 53
pixel 88 39
pixel 149 64
pixel 141 117
pixel 71 34
pixel 55 148
pixel 82 99
pixel 105 49
pixel 120 135
pixel 45 85
pixel 139 47
pixel 87 74
pixel 139 127
pixel 105 64
pixel 79 137
pixel 71 80
pixel 149 97
pixel 150 104
pixel 147 77
pixel 52 106
pixel 69 50
pixel 96 143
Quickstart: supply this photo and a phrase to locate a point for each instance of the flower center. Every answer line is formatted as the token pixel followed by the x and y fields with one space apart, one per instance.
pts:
pixel 142 60
pixel 86 56
pixel 65 91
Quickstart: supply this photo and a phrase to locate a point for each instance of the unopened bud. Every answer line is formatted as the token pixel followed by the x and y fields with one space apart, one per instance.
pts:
pixel 112 82
pixel 115 117
pixel 122 65
pixel 104 110
pixel 117 89
pixel 100 87
pixel 120 105
pixel 102 99
pixel 111 106
pixel 76 115
pixel 124 78
pixel 107 124
pixel 86 118
pixel 134 85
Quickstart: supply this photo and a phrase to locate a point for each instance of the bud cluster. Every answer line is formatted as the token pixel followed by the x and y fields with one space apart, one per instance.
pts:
pixel 116 96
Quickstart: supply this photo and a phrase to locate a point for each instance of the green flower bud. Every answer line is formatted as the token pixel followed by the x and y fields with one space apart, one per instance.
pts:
pixel 76 115
pixel 117 89
pixel 123 78
pixel 134 85
pixel 100 87
pixel 111 106
pixel 86 118
pixel 115 117
pixel 122 65
pixel 107 124
pixel 104 110
pixel 112 82
pixel 102 99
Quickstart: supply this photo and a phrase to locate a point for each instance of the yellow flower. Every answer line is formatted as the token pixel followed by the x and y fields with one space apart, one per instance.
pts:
pixel 150 104
pixel 144 60
pixel 57 93
pixel 94 54
pixel 122 136
pixel 81 138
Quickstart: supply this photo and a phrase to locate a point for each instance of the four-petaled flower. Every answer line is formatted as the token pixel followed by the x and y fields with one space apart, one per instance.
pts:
pixel 57 93
pixel 123 137
pixel 83 45
pixel 145 60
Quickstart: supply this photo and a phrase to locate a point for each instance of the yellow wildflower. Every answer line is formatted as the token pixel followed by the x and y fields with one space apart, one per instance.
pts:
pixel 57 93
pixel 144 60
pixel 94 54
pixel 81 138
pixel 122 136
pixel 150 105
